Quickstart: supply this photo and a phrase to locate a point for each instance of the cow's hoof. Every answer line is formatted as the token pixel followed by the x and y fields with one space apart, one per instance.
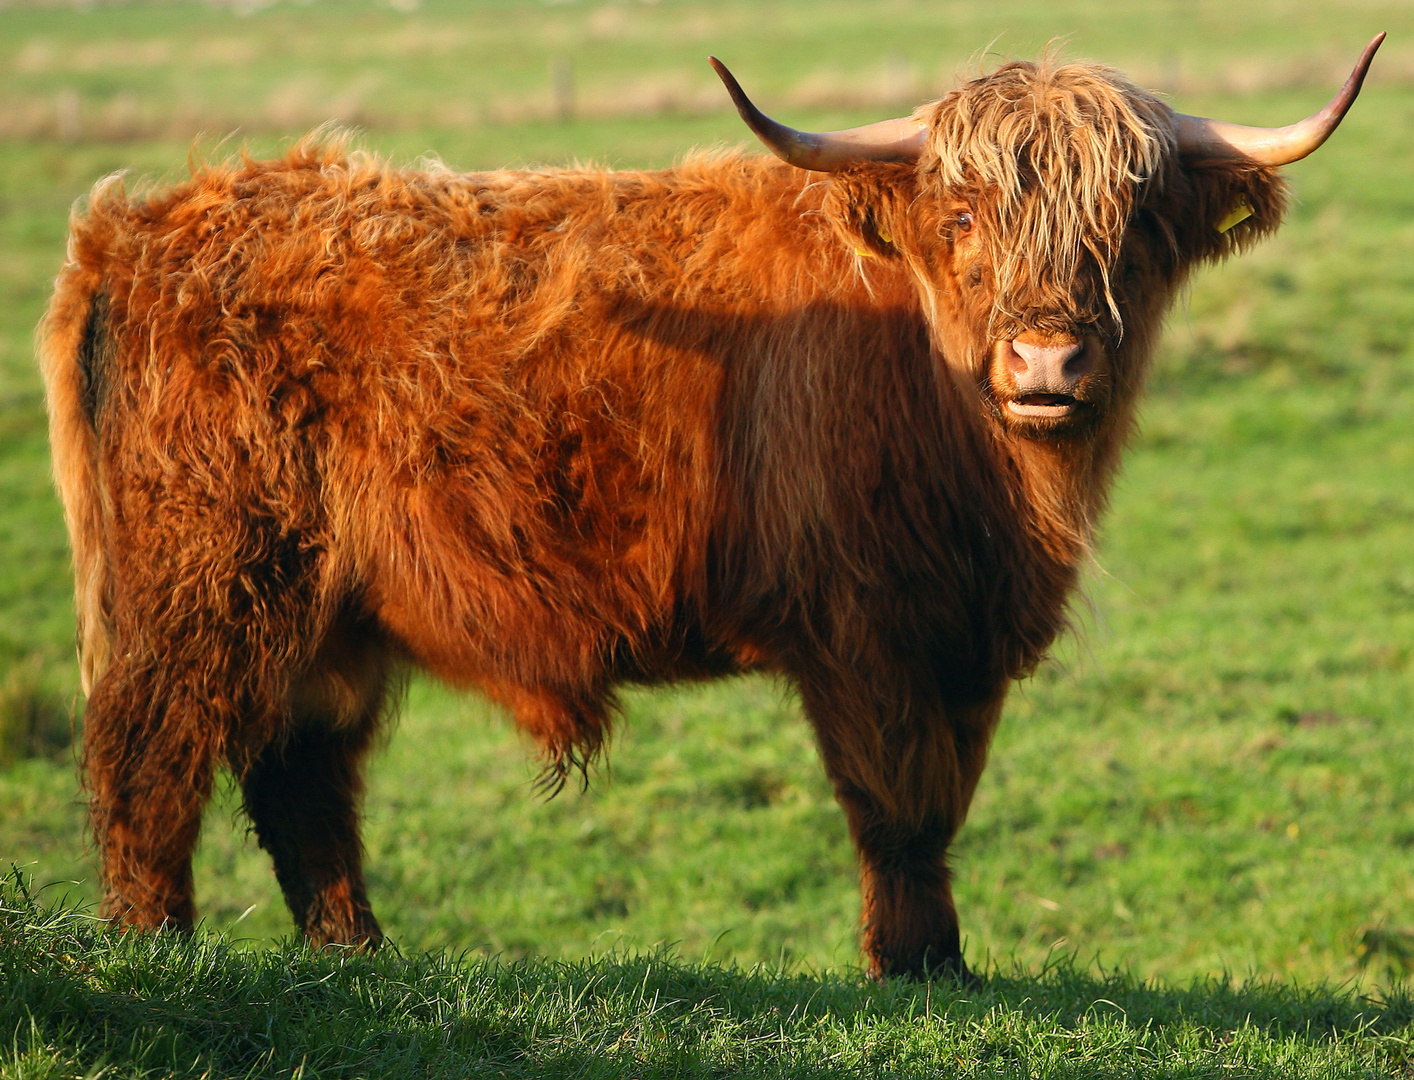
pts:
pixel 959 973
pixel 923 968
pixel 360 934
pixel 151 918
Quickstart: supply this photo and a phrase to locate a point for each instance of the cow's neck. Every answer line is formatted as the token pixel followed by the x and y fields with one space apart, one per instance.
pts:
pixel 848 447
pixel 1059 488
pixel 1062 488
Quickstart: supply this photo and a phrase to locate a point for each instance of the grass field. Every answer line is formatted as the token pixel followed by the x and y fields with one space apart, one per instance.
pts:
pixel 84 1005
pixel 1213 780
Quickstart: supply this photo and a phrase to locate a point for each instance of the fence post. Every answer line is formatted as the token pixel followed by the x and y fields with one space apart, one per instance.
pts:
pixel 562 87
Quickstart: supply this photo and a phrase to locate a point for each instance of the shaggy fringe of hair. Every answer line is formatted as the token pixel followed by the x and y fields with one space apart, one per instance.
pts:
pixel 1060 150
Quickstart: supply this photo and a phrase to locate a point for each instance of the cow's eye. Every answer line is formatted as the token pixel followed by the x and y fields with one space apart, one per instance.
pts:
pixel 964 222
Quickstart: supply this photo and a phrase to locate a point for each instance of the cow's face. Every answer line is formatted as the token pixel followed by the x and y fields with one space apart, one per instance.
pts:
pixel 1042 350
pixel 1018 232
pixel 1046 214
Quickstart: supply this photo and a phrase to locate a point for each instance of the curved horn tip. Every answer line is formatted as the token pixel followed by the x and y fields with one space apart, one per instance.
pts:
pixel 785 142
pixel 1199 136
pixel 1357 75
pixel 738 95
pixel 827 151
pixel 1329 118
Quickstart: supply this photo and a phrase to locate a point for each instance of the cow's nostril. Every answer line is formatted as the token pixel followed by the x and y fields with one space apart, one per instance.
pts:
pixel 1017 363
pixel 1080 364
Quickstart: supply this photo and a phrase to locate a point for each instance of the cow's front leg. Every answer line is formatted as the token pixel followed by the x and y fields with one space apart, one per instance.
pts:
pixel 905 785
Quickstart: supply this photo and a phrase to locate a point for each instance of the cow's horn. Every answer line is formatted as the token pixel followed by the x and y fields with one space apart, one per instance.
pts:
pixel 1200 137
pixel 827 151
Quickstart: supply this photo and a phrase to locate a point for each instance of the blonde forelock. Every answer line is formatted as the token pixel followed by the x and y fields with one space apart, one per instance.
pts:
pixel 1057 154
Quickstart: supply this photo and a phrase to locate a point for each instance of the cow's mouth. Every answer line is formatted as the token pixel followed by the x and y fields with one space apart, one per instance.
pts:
pixel 1042 406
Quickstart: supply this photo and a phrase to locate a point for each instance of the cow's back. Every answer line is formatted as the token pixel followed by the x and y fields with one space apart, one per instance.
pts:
pixel 486 406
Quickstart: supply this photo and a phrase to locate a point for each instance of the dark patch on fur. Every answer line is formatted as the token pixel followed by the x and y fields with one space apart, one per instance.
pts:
pixel 95 359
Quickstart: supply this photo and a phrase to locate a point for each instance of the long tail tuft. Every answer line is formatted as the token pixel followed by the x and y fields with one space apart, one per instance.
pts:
pixel 73 358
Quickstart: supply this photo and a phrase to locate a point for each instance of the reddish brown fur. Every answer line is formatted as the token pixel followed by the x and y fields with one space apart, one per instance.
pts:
pixel 544 433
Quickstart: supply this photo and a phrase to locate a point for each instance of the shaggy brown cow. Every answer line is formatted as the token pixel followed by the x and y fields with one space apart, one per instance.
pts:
pixel 544 433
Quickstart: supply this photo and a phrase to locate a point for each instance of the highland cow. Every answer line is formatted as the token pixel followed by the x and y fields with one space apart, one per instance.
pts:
pixel 847 418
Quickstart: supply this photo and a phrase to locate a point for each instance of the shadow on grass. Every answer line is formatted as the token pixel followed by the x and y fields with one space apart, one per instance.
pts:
pixel 75 998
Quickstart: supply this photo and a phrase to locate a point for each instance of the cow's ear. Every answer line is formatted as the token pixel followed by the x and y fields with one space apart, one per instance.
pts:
pixel 866 204
pixel 1224 207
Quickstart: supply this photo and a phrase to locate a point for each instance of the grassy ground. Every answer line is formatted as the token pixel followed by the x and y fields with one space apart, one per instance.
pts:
pixel 84 1004
pixel 1213 779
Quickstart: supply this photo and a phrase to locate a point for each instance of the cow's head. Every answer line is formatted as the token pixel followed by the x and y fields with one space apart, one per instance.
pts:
pixel 1046 213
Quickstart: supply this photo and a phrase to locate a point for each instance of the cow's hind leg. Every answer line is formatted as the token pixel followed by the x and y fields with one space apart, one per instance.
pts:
pixel 302 795
pixel 905 784
pixel 149 755
pixel 302 792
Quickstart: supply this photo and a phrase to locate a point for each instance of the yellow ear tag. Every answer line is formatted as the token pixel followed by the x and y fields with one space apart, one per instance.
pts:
pixel 1240 212
pixel 863 254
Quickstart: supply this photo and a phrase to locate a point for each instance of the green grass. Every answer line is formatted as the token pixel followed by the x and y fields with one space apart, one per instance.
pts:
pixel 183 67
pixel 1210 788
pixel 81 1003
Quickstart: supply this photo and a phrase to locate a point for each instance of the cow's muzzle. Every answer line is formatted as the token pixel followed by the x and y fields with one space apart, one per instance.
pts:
pixel 1046 375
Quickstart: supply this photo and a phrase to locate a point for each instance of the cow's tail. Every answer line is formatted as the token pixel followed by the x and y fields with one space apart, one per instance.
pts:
pixel 73 353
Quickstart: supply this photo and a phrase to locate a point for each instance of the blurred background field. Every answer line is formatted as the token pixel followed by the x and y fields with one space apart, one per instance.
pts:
pixel 1216 774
